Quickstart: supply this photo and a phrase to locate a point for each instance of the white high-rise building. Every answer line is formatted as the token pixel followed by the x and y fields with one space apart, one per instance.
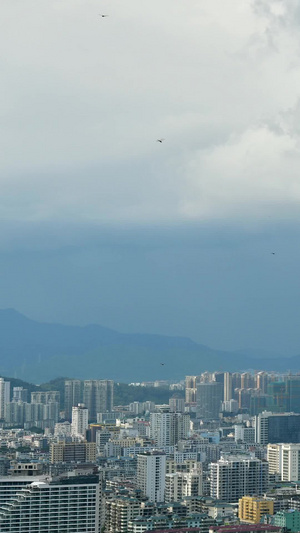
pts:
pixel 233 477
pixel 290 462
pixel 4 396
pixel 166 429
pixel 180 485
pixel 284 459
pixel 80 420
pixel 274 458
pixel 151 475
pixel 73 504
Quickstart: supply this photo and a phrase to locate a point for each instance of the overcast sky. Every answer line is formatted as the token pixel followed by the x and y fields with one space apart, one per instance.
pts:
pixel 101 223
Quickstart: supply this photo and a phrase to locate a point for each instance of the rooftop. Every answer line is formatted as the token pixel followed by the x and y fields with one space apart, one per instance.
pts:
pixel 245 528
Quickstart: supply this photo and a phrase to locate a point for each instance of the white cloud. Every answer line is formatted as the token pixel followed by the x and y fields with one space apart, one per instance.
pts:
pixel 84 98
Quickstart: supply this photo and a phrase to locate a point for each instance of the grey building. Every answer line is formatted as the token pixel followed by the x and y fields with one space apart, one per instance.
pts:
pixel 209 400
pixel 271 428
pixel 72 396
pixel 98 396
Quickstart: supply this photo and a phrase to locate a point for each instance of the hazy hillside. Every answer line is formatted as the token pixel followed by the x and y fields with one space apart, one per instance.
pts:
pixel 38 352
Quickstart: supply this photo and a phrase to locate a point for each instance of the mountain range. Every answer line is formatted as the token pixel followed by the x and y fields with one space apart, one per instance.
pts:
pixel 37 352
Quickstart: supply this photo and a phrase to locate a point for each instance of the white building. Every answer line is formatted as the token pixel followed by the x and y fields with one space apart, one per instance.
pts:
pixel 284 459
pixel 274 458
pixel 80 420
pixel 183 484
pixel 151 474
pixel 73 504
pixel 290 462
pixel 244 434
pixel 166 429
pixel 63 429
pixel 233 477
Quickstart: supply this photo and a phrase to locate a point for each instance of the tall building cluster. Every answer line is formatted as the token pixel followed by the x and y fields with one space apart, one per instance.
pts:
pixel 222 454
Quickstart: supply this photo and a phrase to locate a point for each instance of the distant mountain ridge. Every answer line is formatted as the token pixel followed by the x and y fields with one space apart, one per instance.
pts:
pixel 38 351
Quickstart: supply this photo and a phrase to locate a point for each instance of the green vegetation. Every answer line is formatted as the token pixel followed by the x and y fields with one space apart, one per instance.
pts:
pixel 123 393
pixel 19 383
pixel 35 429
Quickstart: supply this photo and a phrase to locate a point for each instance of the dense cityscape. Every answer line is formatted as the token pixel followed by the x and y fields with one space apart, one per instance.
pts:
pixel 150 230
pixel 223 455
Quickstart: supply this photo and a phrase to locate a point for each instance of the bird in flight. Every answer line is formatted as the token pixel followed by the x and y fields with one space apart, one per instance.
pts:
pixel 273 253
pixel 159 140
pixel 162 364
pixel 103 15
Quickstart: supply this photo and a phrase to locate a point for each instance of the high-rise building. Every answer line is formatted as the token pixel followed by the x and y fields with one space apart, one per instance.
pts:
pixel 166 429
pixel 228 392
pixel 233 477
pixel 209 400
pixel 230 406
pixel 219 377
pixel 274 458
pixel 180 485
pixel 236 380
pixel 258 402
pixel 20 394
pixel 98 396
pixel 262 381
pixel 247 381
pixel 190 389
pixel 293 393
pixel 151 473
pixel 45 396
pixel 271 428
pixel 244 398
pixel 251 509
pixel 4 396
pixel 277 398
pixel 72 396
pixel 176 404
pixel 290 462
pixel 70 504
pixel 14 413
pixel 284 459
pixel 80 420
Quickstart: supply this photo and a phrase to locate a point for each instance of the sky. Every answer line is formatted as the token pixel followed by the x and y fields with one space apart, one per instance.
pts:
pixel 100 223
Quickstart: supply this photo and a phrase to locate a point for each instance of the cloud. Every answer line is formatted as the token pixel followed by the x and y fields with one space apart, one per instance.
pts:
pixel 252 174
pixel 84 99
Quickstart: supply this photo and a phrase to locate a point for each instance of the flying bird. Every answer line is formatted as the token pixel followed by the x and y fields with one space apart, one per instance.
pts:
pixel 159 140
pixel 162 364
pixel 273 253
pixel 103 15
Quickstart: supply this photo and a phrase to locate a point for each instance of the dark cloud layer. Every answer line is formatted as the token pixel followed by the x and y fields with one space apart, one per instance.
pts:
pixel 98 221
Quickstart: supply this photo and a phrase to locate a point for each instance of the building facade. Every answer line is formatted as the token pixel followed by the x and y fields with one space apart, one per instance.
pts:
pixel 151 473
pixel 71 504
pixel 233 477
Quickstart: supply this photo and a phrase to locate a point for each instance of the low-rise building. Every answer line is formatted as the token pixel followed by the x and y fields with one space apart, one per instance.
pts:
pixel 251 509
